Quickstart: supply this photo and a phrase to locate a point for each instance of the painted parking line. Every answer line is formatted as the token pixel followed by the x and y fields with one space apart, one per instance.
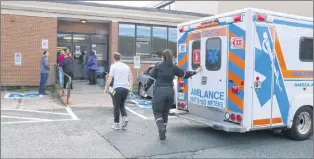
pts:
pixel 145 117
pixel 36 120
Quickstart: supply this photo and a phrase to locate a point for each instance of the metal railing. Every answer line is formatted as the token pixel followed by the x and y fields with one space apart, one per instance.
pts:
pixel 68 86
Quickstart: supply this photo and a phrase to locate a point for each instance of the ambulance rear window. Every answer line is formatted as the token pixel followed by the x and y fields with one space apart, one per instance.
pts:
pixel 213 54
pixel 306 49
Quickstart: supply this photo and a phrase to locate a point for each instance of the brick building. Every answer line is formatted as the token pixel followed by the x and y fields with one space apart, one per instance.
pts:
pixel 82 26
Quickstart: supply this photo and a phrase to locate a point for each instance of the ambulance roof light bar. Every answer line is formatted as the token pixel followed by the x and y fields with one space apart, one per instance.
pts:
pixel 263 18
pixel 232 19
pixel 184 28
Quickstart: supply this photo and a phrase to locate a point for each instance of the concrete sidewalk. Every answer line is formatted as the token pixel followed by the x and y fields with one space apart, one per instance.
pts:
pixel 34 103
pixel 84 95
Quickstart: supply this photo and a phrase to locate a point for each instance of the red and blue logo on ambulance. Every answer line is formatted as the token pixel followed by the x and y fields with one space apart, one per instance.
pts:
pixel 236 69
pixel 264 58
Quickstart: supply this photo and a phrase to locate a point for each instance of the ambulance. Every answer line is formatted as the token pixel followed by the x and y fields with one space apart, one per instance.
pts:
pixel 257 72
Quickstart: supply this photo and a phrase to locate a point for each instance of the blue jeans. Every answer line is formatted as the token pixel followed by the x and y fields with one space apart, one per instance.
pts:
pixel 60 77
pixel 43 82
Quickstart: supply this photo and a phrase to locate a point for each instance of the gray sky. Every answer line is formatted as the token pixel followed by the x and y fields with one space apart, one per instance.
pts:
pixel 125 3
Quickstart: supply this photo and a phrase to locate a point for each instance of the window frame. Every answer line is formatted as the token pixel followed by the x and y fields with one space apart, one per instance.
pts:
pixel 300 52
pixel 125 58
pixel 220 41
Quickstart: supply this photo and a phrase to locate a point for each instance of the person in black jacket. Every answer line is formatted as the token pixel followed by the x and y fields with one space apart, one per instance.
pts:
pixel 163 73
pixel 68 68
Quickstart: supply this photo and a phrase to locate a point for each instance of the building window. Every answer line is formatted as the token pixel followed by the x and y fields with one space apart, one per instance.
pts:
pixel 146 41
pixel 98 38
pixel 127 40
pixel 306 49
pixel 172 40
pixel 64 38
pixel 213 54
pixel 159 41
pixel 143 41
pixel 81 38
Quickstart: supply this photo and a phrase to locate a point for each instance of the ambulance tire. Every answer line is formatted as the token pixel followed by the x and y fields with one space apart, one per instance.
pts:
pixel 293 133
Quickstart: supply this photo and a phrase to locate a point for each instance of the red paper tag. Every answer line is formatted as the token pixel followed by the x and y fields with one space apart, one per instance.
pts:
pixel 196 56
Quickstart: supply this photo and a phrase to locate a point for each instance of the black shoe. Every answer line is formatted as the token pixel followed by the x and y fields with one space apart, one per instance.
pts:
pixel 162 134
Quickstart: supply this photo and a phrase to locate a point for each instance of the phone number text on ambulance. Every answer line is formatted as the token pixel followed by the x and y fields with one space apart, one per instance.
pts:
pixel 207 98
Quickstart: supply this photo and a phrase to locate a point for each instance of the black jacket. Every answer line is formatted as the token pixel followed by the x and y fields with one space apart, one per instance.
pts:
pixel 163 75
pixel 67 65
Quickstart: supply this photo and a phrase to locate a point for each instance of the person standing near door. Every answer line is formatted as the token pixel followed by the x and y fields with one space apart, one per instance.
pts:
pixel 85 70
pixel 60 61
pixel 44 71
pixel 68 69
pixel 92 68
pixel 121 73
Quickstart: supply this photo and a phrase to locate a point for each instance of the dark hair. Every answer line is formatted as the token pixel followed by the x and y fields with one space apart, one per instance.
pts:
pixel 45 52
pixel 117 56
pixel 64 50
pixel 168 56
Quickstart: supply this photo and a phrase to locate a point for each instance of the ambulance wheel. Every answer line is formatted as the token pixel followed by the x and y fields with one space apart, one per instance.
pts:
pixel 302 127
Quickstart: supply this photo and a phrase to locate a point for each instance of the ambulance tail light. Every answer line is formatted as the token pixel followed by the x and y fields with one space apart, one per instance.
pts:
pixel 181 83
pixel 239 118
pixel 232 117
pixel 235 89
pixel 238 18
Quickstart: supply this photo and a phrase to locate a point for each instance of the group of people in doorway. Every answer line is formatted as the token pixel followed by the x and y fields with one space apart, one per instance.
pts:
pixel 162 75
pixel 66 64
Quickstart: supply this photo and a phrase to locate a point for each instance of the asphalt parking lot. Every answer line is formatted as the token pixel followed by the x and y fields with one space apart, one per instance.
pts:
pixel 86 133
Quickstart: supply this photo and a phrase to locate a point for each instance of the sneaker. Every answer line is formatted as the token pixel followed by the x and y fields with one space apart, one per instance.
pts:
pixel 124 122
pixel 115 126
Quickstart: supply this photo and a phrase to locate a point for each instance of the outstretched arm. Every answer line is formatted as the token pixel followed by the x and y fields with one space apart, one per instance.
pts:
pixel 185 74
pixel 151 79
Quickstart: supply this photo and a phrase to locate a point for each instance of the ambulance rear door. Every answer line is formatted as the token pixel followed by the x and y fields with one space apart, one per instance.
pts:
pixel 210 85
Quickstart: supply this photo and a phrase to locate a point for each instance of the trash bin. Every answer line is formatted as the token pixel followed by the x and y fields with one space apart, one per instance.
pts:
pixel 100 78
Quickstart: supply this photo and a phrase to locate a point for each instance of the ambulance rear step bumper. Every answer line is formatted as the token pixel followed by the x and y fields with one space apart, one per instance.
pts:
pixel 225 126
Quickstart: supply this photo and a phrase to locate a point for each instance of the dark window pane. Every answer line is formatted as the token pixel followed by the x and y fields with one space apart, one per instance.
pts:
pixel 126 40
pixel 64 38
pixel 143 39
pixel 159 41
pixel 172 40
pixel 306 50
pixel 213 54
pixel 98 38
pixel 81 38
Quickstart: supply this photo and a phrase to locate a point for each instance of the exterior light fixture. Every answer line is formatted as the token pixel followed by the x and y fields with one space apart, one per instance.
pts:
pixel 83 21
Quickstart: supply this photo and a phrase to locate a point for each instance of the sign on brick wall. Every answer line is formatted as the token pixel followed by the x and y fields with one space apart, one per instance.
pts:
pixel 18 58
pixel 44 44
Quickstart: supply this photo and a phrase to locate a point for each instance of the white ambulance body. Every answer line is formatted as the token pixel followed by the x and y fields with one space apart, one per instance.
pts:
pixel 257 72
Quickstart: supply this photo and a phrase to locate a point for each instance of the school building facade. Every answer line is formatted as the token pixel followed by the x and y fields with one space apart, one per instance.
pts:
pixel 30 27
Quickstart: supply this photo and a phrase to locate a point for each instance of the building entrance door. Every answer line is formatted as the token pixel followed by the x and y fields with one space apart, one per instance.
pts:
pixel 79 50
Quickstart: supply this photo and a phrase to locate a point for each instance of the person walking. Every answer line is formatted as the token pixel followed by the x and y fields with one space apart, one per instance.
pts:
pixel 44 71
pixel 163 74
pixel 92 68
pixel 68 69
pixel 122 85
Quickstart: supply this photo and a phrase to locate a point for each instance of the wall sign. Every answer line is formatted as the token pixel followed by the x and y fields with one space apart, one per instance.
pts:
pixel 44 44
pixel 18 58
pixel 236 42
pixel 137 62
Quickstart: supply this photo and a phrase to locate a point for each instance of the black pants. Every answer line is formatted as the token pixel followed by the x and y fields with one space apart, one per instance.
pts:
pixel 119 97
pixel 162 103
pixel 92 77
pixel 66 79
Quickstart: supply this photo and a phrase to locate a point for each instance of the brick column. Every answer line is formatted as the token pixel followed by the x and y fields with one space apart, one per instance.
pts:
pixel 113 39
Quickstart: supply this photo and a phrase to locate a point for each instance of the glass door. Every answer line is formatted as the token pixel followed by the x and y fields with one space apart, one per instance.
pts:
pixel 78 52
